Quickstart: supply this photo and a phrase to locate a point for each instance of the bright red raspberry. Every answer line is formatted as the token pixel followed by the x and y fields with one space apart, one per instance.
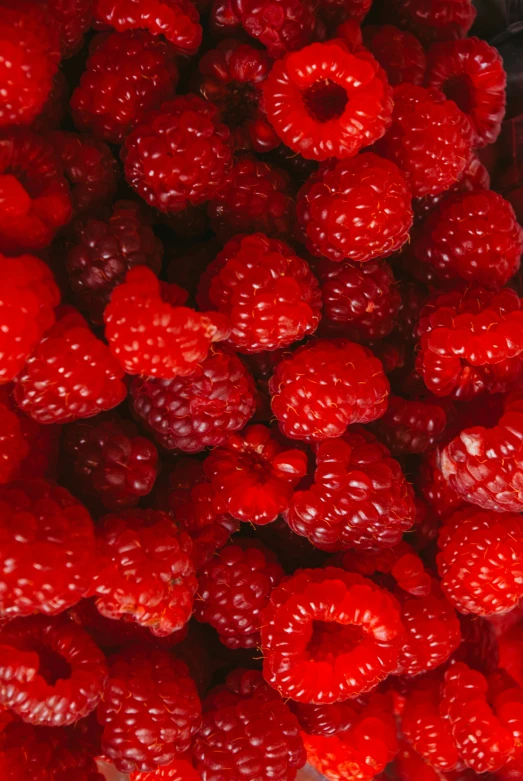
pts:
pixel 341 383
pixel 13 446
pixel 268 294
pixel 51 672
pixel 435 489
pixel 435 20
pixel 410 766
pixel 127 75
pixel 399 53
pixel 248 733
pixel 410 426
pixel 34 195
pixel 72 19
pixel 179 155
pixel 176 20
pixel 474 177
pixel 356 209
pixel 326 101
pixel 70 375
pixel 177 770
pixel 359 498
pixel 150 710
pixel 145 572
pixel 198 411
pixel 329 635
pixel 47 547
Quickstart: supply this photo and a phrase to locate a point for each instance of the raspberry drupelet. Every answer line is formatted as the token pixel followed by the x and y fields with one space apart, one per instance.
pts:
pixel 72 19
pixel 326 101
pixel 399 53
pixel 51 672
pixel 248 733
pixel 435 489
pixel 324 387
pixel 401 562
pixel 150 711
pixel 127 75
pixel 435 20
pixel 268 294
pixel 329 635
pixel 356 209
pixel 145 572
pixel 474 177
pixel 410 426
pixel 177 770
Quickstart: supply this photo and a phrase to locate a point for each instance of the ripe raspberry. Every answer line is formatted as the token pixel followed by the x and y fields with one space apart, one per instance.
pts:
pixel 48 548
pixel 326 101
pixel 145 572
pixel 280 25
pixel 327 720
pixel 339 12
pixel 127 75
pixel 43 443
pixel 51 672
pixel 70 375
pixel 248 733
pixel 441 498
pixel 329 635
pixel 410 426
pixel 474 177
pixel 435 20
pixel 177 770
pixel 399 53
pixel 150 710
pixel 360 497
pixel 13 446
pixel 198 411
pixel 424 726
pixel 179 155
pixel 401 562
pixel 72 19
pixel 176 20
pixel 34 195
pixel 470 72
pixel 323 387
pixel 410 766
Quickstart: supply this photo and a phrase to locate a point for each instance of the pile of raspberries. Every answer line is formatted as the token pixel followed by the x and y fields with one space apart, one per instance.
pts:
pixel 261 394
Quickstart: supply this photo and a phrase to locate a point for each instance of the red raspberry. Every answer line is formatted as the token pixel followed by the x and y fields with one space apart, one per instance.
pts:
pixel 470 72
pixel 176 20
pixel 43 443
pixel 13 446
pixel 337 12
pixel 268 293
pixel 34 195
pixel 55 107
pixel 198 411
pixel 177 770
pixel 280 25
pixel 472 236
pixel 145 571
pixel 435 20
pixel 72 19
pixel 360 497
pixel 329 635
pixel 399 53
pixel 52 674
pixel 410 766
pixel 326 101
pixel 248 733
pixel 410 426
pixel 150 710
pixel 127 75
pixel 341 382
pixel 328 720
pixel 179 155
pixel 474 177
pixel 480 646
pixel 70 375
pixel 47 537
pixel 441 498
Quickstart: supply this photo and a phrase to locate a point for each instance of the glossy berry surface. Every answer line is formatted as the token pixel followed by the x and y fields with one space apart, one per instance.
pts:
pixel 399 53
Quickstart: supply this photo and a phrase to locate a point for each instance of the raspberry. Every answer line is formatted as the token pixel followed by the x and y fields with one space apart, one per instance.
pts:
pixel 253 197
pixel 43 443
pixel 55 107
pixel 179 155
pixel 360 497
pixel 268 293
pixel 326 101
pixel 52 674
pixel 13 446
pixel 474 177
pixel 470 72
pixel 329 635
pixel 337 12
pixel 34 195
pixel 48 548
pixel 435 489
pixel 178 770
pixel 176 20
pixel 399 53
pixel 127 75
pixel 150 710
pixel 198 411
pixel 401 562
pixel 248 733
pixel 435 20
pixel 327 720
pixel 102 252
pixel 280 25
pixel 145 572
pixel 340 382
pixel 472 236
pixel 109 461
pixel 72 19
pixel 70 375
pixel 410 426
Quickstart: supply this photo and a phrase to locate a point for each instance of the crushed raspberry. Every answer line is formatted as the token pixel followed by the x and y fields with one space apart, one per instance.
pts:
pixel 326 101
pixel 410 426
pixel 435 20
pixel 399 53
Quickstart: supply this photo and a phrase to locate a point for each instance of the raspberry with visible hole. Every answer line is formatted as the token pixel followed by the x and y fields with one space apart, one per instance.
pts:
pixel 399 53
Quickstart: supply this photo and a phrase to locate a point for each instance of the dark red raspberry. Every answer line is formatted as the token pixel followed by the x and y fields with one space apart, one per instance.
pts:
pixel 176 20
pixel 43 443
pixel 480 646
pixel 127 75
pixel 34 195
pixel 48 548
pixel 186 264
pixel 401 562
pixel 55 107
pixel 177 770
pixel 268 293
pixel 470 72
pixel 474 177
pixel 435 20
pixel 145 572
pixel 441 498
pixel 248 733
pixel 399 53
pixel 70 375
pixel 231 77
pixel 338 12
pixel 150 711
pixel 326 101
pixel 280 25
pixel 329 635
pixel 179 155
pixel 72 19
pixel 410 426
pixel 198 411
pixel 294 552
pixel 13 446
pixel 51 672
pixel 327 720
